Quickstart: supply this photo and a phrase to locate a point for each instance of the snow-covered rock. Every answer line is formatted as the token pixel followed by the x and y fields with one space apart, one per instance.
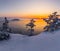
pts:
pixel 43 42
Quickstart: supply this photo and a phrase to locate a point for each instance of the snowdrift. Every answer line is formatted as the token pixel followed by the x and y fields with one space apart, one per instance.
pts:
pixel 43 42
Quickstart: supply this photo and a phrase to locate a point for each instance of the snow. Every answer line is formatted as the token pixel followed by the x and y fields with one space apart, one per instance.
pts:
pixel 45 41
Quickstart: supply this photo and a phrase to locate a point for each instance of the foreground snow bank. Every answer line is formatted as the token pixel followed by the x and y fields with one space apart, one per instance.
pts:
pixel 43 42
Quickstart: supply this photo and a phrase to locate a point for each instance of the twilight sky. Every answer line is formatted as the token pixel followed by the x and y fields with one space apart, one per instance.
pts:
pixel 28 8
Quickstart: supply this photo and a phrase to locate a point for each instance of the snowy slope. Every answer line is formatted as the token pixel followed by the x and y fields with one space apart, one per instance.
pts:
pixel 43 42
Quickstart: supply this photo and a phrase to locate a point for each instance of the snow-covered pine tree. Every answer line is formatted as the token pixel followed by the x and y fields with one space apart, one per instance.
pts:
pixel 4 32
pixel 53 22
pixel 31 25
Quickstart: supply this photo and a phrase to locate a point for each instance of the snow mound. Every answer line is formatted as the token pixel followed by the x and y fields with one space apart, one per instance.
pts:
pixel 42 42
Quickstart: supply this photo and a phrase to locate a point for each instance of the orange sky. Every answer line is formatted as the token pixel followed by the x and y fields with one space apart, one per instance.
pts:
pixel 28 8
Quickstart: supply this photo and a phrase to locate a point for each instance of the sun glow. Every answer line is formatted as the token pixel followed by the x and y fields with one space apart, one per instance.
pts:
pixel 28 8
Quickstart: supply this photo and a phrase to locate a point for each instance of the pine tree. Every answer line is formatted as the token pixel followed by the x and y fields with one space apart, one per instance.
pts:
pixel 31 25
pixel 4 33
pixel 52 22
